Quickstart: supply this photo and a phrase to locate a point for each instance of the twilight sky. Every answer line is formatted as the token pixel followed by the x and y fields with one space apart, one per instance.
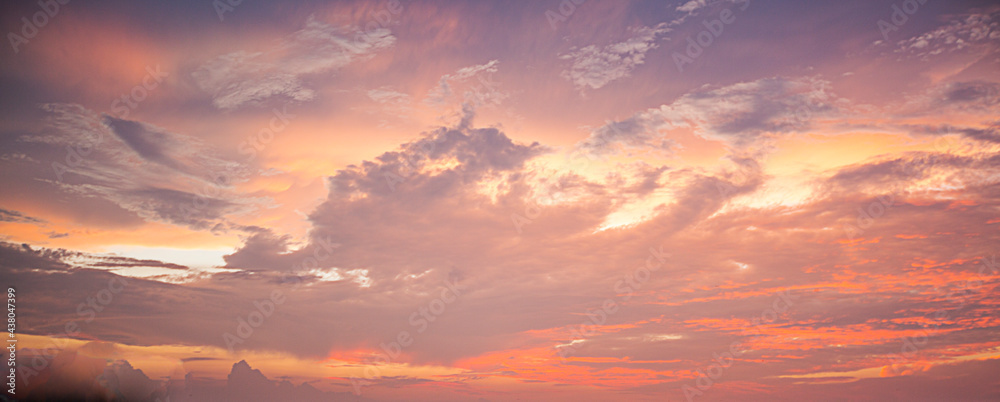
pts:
pixel 487 200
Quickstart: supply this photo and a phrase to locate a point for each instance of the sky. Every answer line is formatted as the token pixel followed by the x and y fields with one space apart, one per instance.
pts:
pixel 566 200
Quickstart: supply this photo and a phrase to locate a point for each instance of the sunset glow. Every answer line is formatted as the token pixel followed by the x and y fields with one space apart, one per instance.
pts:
pixel 566 200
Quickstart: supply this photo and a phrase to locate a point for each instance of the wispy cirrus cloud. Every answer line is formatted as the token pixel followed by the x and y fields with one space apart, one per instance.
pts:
pixel 480 91
pixel 595 66
pixel 144 169
pixel 243 77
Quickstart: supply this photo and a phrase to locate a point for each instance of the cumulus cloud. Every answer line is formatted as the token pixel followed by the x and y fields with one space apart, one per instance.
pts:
pixel 438 210
pixel 243 77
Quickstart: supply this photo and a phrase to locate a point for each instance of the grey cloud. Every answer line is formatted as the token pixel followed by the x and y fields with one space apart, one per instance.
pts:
pixel 17 217
pixel 20 257
pixel 639 132
pixel 148 144
pixel 990 133
pixel 741 115
pixel 262 250
pixel 985 92
pixel 24 257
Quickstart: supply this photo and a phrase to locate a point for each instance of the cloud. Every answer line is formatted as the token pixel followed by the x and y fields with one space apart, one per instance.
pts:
pixel 594 67
pixel 987 93
pixel 128 262
pixel 989 133
pixel 23 257
pixel 971 32
pixel 693 6
pixel 740 115
pixel 483 91
pixel 97 371
pixel 19 257
pixel 262 250
pixel 743 112
pixel 449 219
pixel 388 96
pixel 242 78
pixel 156 174
pixel 17 217
pixel 639 132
